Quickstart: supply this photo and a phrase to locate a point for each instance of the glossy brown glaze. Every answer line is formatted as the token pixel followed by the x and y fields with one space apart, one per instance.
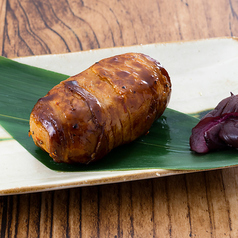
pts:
pixel 111 103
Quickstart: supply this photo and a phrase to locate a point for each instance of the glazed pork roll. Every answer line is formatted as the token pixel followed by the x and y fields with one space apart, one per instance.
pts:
pixel 111 103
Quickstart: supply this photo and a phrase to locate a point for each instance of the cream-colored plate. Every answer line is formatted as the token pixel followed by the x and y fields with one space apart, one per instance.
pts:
pixel 202 72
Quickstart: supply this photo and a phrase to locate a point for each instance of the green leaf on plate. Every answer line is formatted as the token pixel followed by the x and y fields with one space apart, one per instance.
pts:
pixel 166 145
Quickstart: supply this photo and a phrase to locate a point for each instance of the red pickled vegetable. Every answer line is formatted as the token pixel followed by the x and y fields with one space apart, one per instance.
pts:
pixel 218 129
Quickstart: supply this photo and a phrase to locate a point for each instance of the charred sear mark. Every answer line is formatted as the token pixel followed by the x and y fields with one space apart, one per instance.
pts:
pixel 218 129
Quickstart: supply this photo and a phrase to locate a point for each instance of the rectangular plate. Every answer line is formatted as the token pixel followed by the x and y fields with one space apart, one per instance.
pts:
pixel 202 73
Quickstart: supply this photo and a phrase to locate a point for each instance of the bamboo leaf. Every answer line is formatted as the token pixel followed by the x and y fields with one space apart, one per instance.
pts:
pixel 166 146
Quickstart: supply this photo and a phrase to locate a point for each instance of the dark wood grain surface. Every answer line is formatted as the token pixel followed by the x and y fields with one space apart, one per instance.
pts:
pixel 203 204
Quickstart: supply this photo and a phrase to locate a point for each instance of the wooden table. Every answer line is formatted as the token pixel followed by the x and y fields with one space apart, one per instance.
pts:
pixel 202 204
